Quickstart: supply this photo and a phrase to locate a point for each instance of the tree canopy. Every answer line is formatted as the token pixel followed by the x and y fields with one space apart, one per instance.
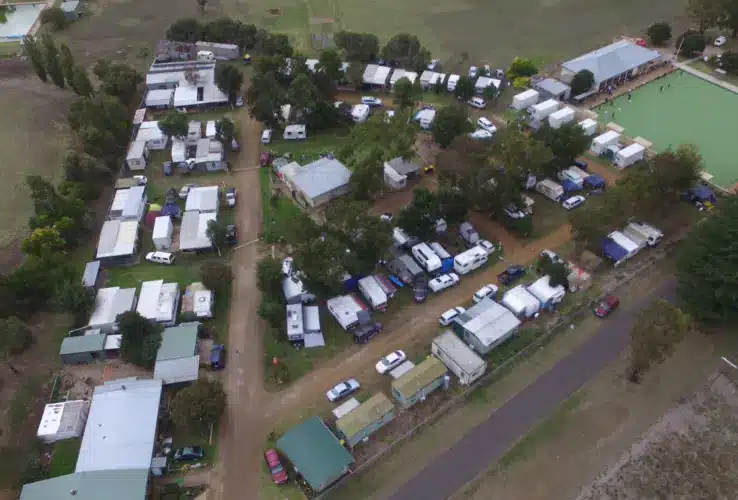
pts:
pixel 406 95
pixel 566 143
pixel 450 122
pixel 358 47
pixel 16 337
pixel 582 82
pixel 119 80
pixel 659 33
pixel 199 405
pixel 174 124
pixel 464 88
pixel 228 79
pixel 331 64
pixel 521 67
pixel 225 130
pixel 216 275
pixel 140 340
pixel 690 43
pixel 405 50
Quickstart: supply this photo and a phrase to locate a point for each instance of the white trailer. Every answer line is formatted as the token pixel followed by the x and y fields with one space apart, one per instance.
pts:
pixel 604 141
pixel 521 302
pixel 629 155
pixel 373 292
pixel 561 117
pixel 635 237
pixel 427 259
pixel 543 109
pixel 163 231
pixel 472 259
pixel 525 99
pixel 625 243
pixel 550 189
pixel 588 126
pixel 295 329
pixel 439 250
pixel 458 357
pixel 344 308
pixel 653 236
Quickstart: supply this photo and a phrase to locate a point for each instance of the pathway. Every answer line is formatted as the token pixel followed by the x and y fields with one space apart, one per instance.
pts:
pixel 709 78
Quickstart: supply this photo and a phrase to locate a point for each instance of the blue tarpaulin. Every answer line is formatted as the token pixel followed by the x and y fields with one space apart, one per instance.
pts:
pixel 595 181
pixel 701 193
pixel 613 251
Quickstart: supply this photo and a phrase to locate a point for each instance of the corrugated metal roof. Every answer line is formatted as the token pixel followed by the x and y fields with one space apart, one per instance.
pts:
pixel 136 150
pixel 178 341
pixel 456 349
pixel 488 321
pixel 203 199
pixel 403 167
pixel 319 177
pixel 117 238
pixel 109 303
pixel 177 371
pixel 89 277
pixel 612 60
pixel 82 344
pixel 421 376
pixel 128 484
pixel 553 86
pixel 158 300
pixel 368 412
pixel 193 231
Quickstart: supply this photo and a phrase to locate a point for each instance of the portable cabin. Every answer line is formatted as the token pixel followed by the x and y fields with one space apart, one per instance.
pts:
pixel 573 176
pixel 602 142
pixel 210 129
pixel 542 110
pixel 360 113
pixel 486 325
pixel 546 294
pixel 373 293
pixel 163 231
pixel 295 328
pixel 458 357
pixel 415 385
pixel 525 99
pixel 294 132
pixel 629 155
pixel 63 420
pixel 561 117
pixel 370 416
pixel 345 309
pixel 452 81
pixel 521 302
pixel 138 155
pixel 472 259
pixel 294 290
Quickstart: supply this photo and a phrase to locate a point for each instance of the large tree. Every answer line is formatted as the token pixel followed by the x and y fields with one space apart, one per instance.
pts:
pixel 519 154
pixel 118 80
pixel 228 79
pixel 141 339
pixel 582 82
pixel 225 130
pixel 464 88
pixel 303 94
pixel 43 241
pixel 71 297
pixel 603 215
pixel 690 43
pixel 359 47
pixel 406 51
pixel 331 65
pixel 66 60
pixel 199 405
pixel 355 75
pixel 705 13
pixel 16 337
pixel 265 98
pixel 269 277
pixel 707 268
pixel 216 276
pixel 102 125
pixel 453 204
pixel 82 85
pixel 450 122
pixel 217 233
pixel 51 60
pixel 174 124
pixel 566 143
pixel 521 68
pixel 185 30
pixel 420 216
pixel 405 93
pixel 54 17
pixel 730 20
pixel 659 33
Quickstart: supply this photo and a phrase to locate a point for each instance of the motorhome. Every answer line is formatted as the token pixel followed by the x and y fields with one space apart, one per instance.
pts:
pixel 472 259
pixel 427 259
pixel 550 189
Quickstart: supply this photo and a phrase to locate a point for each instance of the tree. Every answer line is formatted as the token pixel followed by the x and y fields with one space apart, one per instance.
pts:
pixel 566 143
pixel 35 55
pixel 81 82
pixel 217 233
pixel 582 82
pixel 321 263
pixel 521 67
pixel 269 277
pixel 140 340
pixel 228 79
pixel 303 94
pixel 15 339
pixel 43 241
pixel 556 271
pixel 659 33
pixel 271 310
pixel 603 215
pixel 51 61
pixel 519 154
pixel 405 50
pixel 450 122
pixel 185 30
pixel 730 19
pixel 453 205
pixel 405 94
pixel 216 276
pixel 690 43
pixel 174 124
pixel 355 75
pixel 657 329
pixel 81 167
pixel 225 130
pixel 66 60
pixel 265 98
pixel 358 47
pixel 102 125
pixel 705 13
pixel 118 80
pixel 31 285
pixel 199 405
pixel 273 44
pixel 54 17
pixel 730 62
pixel 420 216
pixel 72 297
pixel 331 65
pixel 464 88
pixel 707 268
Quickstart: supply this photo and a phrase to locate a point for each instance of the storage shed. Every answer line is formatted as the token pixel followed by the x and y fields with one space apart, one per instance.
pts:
pixel 546 294
pixel 521 302
pixel 315 453
pixel 138 155
pixel 486 325
pixel 81 349
pixel 65 420
pixel 525 99
pixel 419 382
pixel 551 88
pixel 561 117
pixel 317 182
pixel 163 231
pixel 458 357
pixel 588 126
pixel 368 418
pixel 177 360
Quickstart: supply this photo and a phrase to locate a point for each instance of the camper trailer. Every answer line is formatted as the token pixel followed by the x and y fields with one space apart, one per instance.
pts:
pixel 427 259
pixel 652 235
pixel 472 259
pixel 546 294
pixel 571 175
pixel 604 141
pixel 373 293
pixel 561 117
pixel 525 99
pixel 295 328
pixel 458 357
pixel 542 110
pixel 447 261
pixel 625 243
pixel 294 132
pixel 468 233
pixel 550 189
pixel 629 155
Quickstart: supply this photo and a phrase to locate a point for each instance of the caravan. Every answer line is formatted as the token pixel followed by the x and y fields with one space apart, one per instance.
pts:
pixel 447 261
pixel 652 235
pixel 625 243
pixel 550 189
pixel 472 259
pixel 546 294
pixel 373 292
pixel 426 258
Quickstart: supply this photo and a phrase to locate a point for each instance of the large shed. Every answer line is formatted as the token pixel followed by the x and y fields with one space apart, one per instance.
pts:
pixel 423 379
pixel 81 349
pixel 486 325
pixel 318 182
pixel 315 453
pixel 177 360
pixel 368 418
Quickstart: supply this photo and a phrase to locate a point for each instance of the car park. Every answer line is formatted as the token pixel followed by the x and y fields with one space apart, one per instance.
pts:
pixel 276 469
pixel 573 202
pixel 477 102
pixel 511 274
pixel 160 257
pixel 364 333
pixel 372 102
pixel 390 362
pixel 186 190
pixel 447 317
pixel 720 41
pixel 343 389
pixel 484 292
pixel 443 281
pixel 486 124
pixel 604 307
pixel 189 453
pixel 420 288
pixel 266 136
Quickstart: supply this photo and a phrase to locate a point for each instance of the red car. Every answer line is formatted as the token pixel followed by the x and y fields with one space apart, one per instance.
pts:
pixel 265 158
pixel 279 475
pixel 607 305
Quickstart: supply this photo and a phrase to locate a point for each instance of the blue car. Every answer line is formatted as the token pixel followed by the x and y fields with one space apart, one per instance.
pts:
pixel 511 274
pixel 217 357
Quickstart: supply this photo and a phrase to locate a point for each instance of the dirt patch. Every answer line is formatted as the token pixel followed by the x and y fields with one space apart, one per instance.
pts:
pixel 609 174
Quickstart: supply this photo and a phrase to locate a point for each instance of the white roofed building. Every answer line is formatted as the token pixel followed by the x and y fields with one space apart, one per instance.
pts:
pixel 203 199
pixel 399 74
pixel 159 302
pixel 118 242
pixel 193 231
pixel 376 75
pixel 486 325
pixel 63 420
pixel 128 204
pixel 151 134
pixel 109 304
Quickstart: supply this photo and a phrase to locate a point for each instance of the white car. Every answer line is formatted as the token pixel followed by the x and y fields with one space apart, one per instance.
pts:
pixel 486 124
pixel 488 246
pixel 573 202
pixel 390 362
pixel 473 72
pixel 386 217
pixel 477 102
pixel 481 135
pixel 484 292
pixel 443 281
pixel 266 136
pixel 342 390
pixel 372 102
pixel 720 41
pixel 553 256
pixel 141 179
pixel 447 317
pixel 433 64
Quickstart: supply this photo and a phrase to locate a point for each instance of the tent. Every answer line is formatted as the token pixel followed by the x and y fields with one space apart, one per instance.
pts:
pixel 570 186
pixel 595 181
pixel 613 251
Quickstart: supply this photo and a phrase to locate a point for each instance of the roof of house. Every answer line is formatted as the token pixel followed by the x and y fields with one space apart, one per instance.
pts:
pixel 125 484
pixel 158 300
pixel 612 60
pixel 117 238
pixel 128 203
pixel 376 75
pixel 208 150
pixel 553 86
pixel 150 131
pixel 159 97
pixel 187 95
pixel 136 150
pixel 319 177
pixel 459 351
pixel 419 377
pixel 203 199
pixel 316 453
pixel 121 426
pixel 176 371
pixel 178 341
pixel 193 232
pixel 403 167
pixel 367 413
pixel 488 321
pixel 163 227
pixel 399 74
pixel 485 81
pixel 92 270
pixel 111 302
pixel 82 344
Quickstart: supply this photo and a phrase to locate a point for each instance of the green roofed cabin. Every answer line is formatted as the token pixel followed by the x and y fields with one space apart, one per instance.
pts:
pixel 82 349
pixel 315 453
pixel 366 419
pixel 124 484
pixel 416 384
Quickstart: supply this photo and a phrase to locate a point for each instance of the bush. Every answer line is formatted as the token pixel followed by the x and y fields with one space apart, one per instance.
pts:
pixel 659 33
pixel 730 62
pixel 54 17
pixel 521 82
pixel 690 43
pixel 16 337
pixel 582 82
pixel 521 67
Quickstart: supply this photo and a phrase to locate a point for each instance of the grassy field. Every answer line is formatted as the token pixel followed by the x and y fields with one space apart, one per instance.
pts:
pixel 277 212
pixel 310 150
pixel 64 457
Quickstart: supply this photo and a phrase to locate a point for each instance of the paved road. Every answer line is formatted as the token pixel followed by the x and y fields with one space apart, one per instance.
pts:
pixel 488 442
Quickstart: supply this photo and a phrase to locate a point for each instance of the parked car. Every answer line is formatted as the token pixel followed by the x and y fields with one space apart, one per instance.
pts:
pixel 477 102
pixel 720 41
pixel 231 235
pixel 511 274
pixel 372 102
pixel 433 64
pixel 429 169
pixel 140 179
pixel 486 124
pixel 160 257
pixel 230 197
pixel 343 389
pixel 447 317
pixel 217 357
pixel 473 72
pixel 573 202
pixel 484 292
pixel 553 256
pixel 189 453
pixel 481 135
pixel 186 190
pixel 488 246
pixel 266 136
pixel 364 333
pixel 390 362
pixel 443 282
pixel 420 288
pixel 279 475
pixel 239 101
pixel 386 217
pixel 167 167
pixel 607 305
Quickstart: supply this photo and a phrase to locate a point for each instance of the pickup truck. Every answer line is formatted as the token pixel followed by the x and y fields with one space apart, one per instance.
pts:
pixel 511 275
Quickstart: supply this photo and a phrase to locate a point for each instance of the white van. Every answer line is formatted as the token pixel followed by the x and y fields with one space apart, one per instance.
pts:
pixel 266 136
pixel 160 257
pixel 470 260
pixel 205 55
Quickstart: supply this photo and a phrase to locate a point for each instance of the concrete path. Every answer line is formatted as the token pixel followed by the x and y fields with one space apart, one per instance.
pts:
pixel 705 76
pixel 489 442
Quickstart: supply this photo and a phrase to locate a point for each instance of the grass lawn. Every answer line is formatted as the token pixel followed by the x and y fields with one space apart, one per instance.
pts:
pixel 547 216
pixel 700 65
pixel 64 457
pixel 311 149
pixel 9 49
pixel 276 213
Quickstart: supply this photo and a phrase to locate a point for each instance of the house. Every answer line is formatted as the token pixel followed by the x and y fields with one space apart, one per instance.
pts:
pixel 193 233
pixel 194 134
pixel 613 64
pixel 151 134
pixel 91 275
pixel 399 74
pixel 485 82
pixel 159 302
pixel 315 453
pixel 109 304
pixel 551 88
pixel 65 420
pixel 159 98
pixel 318 182
pixel 415 385
pixel 118 242
pixel 397 171
pixel 138 155
pixel 198 302
pixel 375 75
pixel 365 420
pixel 205 94
pixel 83 349
pixel 72 9
pixel 177 360
pixel 209 155
pixel 128 204
pixel 162 233
pixel 486 325
pixel 203 199
pixel 224 51
pixel 192 82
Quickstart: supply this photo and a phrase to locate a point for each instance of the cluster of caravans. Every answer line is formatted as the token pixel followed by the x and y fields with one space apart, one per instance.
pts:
pixel 570 180
pixel 608 145
pixel 619 246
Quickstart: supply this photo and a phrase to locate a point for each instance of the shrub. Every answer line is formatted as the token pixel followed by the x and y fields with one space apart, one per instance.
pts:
pixel 54 17
pixel 521 82
pixel 659 33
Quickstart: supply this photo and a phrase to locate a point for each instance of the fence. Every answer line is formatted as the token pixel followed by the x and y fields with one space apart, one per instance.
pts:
pixel 656 256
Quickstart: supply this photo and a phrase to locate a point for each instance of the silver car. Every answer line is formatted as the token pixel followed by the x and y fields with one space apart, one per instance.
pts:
pixel 340 391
